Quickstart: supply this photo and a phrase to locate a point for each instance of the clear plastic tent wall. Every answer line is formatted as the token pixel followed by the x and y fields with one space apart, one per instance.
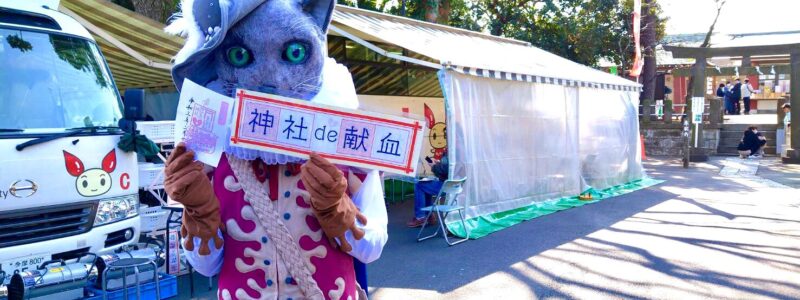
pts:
pixel 609 137
pixel 519 143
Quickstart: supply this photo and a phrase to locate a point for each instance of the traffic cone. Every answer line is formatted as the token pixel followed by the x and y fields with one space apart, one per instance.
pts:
pixel 641 141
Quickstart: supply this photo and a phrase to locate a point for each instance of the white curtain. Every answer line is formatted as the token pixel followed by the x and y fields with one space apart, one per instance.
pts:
pixel 518 143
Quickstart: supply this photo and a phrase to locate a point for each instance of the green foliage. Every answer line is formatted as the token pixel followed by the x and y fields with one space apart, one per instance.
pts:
pixel 17 42
pixel 79 55
pixel 373 5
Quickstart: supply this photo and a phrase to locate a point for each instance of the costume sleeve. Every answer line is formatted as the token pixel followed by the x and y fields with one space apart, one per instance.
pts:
pixel 207 265
pixel 369 199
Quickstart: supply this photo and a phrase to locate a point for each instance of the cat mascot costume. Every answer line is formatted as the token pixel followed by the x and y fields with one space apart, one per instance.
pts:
pixel 272 226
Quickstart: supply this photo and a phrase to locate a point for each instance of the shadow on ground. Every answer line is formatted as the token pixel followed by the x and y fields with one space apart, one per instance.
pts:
pixel 433 265
pixel 706 235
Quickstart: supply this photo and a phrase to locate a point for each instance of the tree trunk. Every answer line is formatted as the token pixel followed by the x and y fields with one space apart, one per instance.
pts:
pixel 431 10
pixel 158 10
pixel 444 12
pixel 648 40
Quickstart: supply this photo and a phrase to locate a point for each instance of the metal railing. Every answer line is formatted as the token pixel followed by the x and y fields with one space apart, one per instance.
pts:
pixel 674 113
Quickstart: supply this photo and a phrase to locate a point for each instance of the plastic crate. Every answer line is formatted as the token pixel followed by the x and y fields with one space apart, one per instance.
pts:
pixel 150 174
pixel 153 218
pixel 168 288
pixel 157 131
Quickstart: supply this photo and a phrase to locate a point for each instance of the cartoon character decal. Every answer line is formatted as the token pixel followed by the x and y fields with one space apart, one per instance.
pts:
pixel 438 134
pixel 91 182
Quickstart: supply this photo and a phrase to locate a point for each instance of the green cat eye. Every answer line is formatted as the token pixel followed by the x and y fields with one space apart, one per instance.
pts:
pixel 239 56
pixel 295 52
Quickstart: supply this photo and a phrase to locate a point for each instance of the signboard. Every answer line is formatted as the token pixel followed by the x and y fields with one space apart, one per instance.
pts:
pixel 344 136
pixel 660 108
pixel 202 122
pixel 698 108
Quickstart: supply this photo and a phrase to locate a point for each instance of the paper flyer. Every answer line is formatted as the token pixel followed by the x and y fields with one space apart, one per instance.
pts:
pixel 202 121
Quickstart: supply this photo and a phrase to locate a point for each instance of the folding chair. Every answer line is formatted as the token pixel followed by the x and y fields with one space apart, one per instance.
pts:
pixel 450 189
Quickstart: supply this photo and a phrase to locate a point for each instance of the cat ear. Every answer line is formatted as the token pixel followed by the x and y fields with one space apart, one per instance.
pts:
pixel 320 11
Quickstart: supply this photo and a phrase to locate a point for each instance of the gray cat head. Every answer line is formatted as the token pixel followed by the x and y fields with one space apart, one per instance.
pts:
pixel 274 46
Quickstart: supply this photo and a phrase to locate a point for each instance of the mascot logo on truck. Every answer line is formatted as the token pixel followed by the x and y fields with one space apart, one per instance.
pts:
pixel 91 182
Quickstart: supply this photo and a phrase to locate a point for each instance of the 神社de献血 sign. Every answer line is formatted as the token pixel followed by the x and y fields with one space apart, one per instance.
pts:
pixel 344 136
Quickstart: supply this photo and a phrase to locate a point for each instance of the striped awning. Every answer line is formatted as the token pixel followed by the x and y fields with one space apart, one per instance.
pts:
pixel 145 37
pixel 540 79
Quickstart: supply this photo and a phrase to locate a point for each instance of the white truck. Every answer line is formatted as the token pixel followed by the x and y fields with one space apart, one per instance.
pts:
pixel 65 187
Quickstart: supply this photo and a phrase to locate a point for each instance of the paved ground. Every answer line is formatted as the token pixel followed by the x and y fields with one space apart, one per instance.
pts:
pixel 751 119
pixel 720 230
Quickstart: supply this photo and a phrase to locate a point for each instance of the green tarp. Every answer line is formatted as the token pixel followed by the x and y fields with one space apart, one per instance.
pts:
pixel 484 225
pixel 396 191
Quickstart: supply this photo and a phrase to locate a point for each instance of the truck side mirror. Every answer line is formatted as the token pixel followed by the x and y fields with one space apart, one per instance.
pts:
pixel 133 101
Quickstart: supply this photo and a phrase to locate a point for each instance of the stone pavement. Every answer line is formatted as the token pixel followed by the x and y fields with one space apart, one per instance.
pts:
pixel 785 174
pixel 755 119
pixel 727 229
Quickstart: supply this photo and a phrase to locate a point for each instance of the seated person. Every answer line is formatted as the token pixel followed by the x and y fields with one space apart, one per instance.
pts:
pixel 424 190
pixel 752 144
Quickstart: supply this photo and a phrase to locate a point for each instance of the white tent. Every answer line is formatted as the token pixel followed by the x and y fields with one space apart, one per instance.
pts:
pixel 523 125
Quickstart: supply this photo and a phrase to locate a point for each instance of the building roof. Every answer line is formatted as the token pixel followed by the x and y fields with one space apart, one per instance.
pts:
pixel 722 40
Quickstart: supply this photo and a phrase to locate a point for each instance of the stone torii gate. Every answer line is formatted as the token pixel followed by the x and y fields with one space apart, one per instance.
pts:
pixel 746 52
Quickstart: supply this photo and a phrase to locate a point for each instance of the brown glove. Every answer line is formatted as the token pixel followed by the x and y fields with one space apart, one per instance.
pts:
pixel 331 205
pixel 186 183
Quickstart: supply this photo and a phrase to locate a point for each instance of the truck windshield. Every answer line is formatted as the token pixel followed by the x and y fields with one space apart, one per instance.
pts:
pixel 51 81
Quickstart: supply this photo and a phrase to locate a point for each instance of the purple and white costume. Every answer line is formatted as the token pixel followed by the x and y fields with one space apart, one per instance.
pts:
pixel 274 247
pixel 249 266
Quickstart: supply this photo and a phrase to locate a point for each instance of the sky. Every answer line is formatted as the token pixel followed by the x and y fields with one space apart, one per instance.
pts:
pixel 738 16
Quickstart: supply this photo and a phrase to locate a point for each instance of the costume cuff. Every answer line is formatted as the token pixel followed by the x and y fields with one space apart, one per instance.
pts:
pixel 369 200
pixel 207 265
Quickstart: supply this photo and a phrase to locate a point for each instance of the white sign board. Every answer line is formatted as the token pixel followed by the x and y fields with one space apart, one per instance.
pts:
pixel 660 108
pixel 202 122
pixel 698 108
pixel 344 136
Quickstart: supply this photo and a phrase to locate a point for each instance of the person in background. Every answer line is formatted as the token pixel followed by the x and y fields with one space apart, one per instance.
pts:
pixel 736 96
pixel 752 144
pixel 787 121
pixel 729 98
pixel 722 93
pixel 425 189
pixel 747 91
